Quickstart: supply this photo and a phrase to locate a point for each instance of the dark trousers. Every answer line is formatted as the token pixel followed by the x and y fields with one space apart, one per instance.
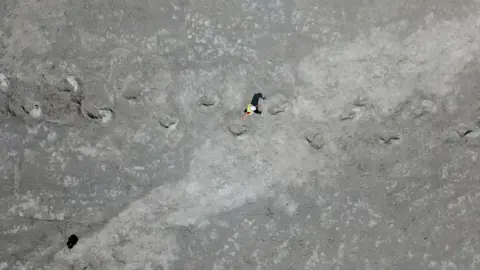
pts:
pixel 255 99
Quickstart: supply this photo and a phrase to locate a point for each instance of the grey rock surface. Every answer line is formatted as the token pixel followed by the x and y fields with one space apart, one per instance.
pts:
pixel 278 104
pixel 347 114
pixel 315 139
pixel 207 100
pixel 133 92
pixel 166 118
pixel 4 83
pixel 69 84
pixel 237 128
pixel 102 135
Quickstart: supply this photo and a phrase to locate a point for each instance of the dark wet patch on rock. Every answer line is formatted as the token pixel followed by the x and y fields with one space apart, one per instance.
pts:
pixel 72 241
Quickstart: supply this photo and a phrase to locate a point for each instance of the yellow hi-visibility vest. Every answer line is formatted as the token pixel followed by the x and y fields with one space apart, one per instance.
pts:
pixel 249 109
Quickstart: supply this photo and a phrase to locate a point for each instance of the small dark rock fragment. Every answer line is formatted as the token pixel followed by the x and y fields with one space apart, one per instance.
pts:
pixel 72 241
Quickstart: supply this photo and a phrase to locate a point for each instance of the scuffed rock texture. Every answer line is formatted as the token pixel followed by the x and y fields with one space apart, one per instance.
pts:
pixel 360 101
pixel 133 92
pixel 166 118
pixel 104 134
pixel 388 137
pixel 90 111
pixel 237 129
pixel 4 83
pixel 315 139
pixel 278 104
pixel 32 108
pixel 106 115
pixel 68 84
pixel 207 100
pixel 347 114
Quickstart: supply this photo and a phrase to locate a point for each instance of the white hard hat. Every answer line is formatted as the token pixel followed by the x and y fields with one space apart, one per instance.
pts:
pixel 253 108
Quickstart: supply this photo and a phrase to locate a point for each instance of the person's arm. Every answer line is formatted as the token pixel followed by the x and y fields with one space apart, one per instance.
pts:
pixel 244 116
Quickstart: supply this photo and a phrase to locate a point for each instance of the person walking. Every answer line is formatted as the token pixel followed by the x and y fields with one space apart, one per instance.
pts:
pixel 253 106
